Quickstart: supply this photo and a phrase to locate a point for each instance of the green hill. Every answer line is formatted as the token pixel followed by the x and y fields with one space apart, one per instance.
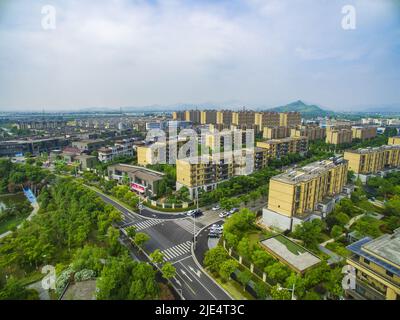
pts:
pixel 306 110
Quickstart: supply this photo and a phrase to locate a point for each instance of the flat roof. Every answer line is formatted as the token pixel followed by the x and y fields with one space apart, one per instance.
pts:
pixel 142 173
pixel 309 171
pixel 291 252
pixel 374 149
pixel 386 246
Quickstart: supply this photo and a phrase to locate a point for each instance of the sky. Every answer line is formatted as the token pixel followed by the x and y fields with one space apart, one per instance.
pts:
pixel 255 53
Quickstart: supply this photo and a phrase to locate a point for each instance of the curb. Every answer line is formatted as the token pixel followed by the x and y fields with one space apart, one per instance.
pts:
pixel 201 267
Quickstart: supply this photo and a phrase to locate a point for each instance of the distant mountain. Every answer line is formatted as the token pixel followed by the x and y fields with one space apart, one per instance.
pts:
pixel 306 110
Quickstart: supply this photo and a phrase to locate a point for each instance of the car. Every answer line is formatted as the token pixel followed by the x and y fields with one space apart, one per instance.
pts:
pixel 216 208
pixel 214 235
pixel 195 213
pixel 223 214
pixel 233 210
pixel 216 228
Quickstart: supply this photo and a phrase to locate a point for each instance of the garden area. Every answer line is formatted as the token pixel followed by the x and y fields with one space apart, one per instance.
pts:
pixel 243 236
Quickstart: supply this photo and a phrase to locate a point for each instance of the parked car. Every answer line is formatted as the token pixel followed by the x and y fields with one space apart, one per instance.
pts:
pixel 233 210
pixel 214 235
pixel 216 208
pixel 223 214
pixel 216 228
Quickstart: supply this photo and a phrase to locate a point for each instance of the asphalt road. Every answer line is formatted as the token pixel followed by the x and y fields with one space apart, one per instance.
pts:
pixel 173 235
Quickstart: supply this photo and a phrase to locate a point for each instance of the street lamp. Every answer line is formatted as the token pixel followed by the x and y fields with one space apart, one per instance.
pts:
pixel 292 290
pixel 194 219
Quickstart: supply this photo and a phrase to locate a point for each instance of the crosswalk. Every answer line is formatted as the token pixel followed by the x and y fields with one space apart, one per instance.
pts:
pixel 145 224
pixel 187 224
pixel 177 251
pixel 128 218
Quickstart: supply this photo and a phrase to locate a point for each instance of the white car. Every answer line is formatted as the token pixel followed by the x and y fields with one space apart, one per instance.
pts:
pixel 190 212
pixel 216 208
pixel 216 228
pixel 223 214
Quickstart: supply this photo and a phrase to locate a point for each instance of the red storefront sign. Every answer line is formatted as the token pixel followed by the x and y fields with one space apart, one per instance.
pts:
pixel 137 187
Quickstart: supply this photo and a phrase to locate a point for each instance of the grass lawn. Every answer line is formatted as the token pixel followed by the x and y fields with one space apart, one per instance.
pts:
pixel 338 248
pixel 290 245
pixel 234 289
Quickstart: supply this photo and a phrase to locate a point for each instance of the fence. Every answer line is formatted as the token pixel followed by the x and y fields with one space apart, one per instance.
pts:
pixel 249 265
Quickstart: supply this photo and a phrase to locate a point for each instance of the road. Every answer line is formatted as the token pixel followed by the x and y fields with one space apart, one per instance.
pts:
pixel 173 235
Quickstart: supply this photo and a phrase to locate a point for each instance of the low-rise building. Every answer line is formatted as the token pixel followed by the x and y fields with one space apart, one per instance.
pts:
pixel 278 148
pixel 377 268
pixel 85 161
pixel 305 193
pixel 89 145
pixel 141 180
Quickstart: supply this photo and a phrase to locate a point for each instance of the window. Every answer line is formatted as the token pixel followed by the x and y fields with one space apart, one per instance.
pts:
pixel 366 261
pixel 388 273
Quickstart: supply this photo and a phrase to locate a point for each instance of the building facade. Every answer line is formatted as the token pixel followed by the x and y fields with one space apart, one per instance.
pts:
pixel 290 119
pixel 267 119
pixel 338 136
pixel 311 132
pixel 364 133
pixel 276 132
pixel 377 268
pixel 305 193
pixel 394 140
pixel 278 148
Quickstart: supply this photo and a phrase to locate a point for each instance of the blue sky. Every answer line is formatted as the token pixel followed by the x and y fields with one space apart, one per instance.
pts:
pixel 238 52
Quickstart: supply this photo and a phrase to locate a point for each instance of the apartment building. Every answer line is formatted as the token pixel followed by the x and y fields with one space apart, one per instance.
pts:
pixel 224 117
pixel 394 140
pixel 202 173
pixel 244 119
pixel 368 162
pixel 208 117
pixel 193 116
pixel 276 132
pixel 290 119
pixel 305 193
pixel 278 148
pixel 377 268
pixel 311 132
pixel 267 119
pixel 179 115
pixel 364 133
pixel 338 136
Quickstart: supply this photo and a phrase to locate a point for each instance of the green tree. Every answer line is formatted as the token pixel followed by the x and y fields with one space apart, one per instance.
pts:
pixel 214 258
pixel 244 277
pixel 141 238
pixel 309 232
pixel 336 231
pixel 131 232
pixel 277 293
pixel 168 271
pixel 227 268
pixel 157 256
pixel 244 248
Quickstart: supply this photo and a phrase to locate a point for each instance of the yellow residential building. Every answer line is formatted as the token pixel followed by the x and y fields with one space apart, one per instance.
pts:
pixel 311 132
pixel 192 115
pixel 244 119
pixel 290 119
pixel 278 148
pixel 208 117
pixel 394 140
pixel 372 160
pixel 224 117
pixel 364 133
pixel 276 132
pixel 179 115
pixel 377 268
pixel 338 136
pixel 267 119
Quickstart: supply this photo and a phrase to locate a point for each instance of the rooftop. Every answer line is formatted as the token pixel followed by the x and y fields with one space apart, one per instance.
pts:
pixel 384 251
pixel 309 171
pixel 292 253
pixel 140 172
pixel 374 149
